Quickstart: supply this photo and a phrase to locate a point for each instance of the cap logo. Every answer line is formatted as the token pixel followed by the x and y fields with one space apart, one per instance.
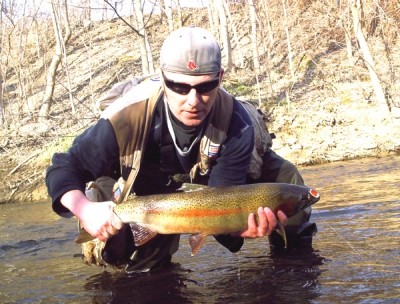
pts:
pixel 191 65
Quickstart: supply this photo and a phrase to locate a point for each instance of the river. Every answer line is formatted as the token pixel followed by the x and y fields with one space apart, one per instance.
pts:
pixel 355 256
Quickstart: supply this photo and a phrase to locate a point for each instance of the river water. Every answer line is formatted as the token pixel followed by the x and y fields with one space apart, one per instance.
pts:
pixel 355 256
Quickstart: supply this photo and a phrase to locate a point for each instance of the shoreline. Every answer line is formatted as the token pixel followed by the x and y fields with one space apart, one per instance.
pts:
pixel 38 192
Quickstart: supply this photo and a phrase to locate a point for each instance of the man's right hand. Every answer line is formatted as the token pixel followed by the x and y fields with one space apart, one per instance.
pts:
pixel 97 218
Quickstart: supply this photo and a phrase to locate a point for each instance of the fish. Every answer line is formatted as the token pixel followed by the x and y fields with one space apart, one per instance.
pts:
pixel 209 210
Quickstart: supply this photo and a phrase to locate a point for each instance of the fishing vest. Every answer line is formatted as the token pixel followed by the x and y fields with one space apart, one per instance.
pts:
pixel 138 98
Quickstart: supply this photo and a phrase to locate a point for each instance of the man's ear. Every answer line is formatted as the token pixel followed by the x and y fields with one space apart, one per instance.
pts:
pixel 221 74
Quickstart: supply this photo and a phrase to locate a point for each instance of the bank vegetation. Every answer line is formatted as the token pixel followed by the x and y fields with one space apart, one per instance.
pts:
pixel 326 73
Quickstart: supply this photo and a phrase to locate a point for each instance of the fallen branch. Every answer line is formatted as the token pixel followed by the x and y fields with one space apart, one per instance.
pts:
pixel 23 162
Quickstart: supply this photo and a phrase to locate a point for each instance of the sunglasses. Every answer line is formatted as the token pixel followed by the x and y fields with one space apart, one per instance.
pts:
pixel 184 88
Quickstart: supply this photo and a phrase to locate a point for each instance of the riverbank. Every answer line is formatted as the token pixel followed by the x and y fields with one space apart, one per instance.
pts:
pixel 326 113
pixel 328 131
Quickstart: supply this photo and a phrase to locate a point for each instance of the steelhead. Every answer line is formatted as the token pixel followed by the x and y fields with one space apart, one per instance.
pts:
pixel 210 210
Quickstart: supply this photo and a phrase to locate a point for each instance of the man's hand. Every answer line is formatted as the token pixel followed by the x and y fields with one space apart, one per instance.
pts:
pixel 267 222
pixel 97 218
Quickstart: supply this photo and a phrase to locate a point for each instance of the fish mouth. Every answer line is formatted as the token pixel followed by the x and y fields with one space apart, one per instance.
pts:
pixel 310 198
pixel 313 195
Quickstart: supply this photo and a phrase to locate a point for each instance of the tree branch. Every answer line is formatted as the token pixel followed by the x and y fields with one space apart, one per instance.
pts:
pixel 123 20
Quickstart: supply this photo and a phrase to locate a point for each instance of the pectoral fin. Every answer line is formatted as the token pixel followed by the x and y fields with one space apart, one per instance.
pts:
pixel 196 241
pixel 282 232
pixel 141 234
pixel 83 236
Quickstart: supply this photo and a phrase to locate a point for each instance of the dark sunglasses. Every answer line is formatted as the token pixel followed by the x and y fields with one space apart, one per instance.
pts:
pixel 184 88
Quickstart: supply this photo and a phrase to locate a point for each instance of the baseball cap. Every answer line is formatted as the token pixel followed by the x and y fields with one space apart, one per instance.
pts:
pixel 190 51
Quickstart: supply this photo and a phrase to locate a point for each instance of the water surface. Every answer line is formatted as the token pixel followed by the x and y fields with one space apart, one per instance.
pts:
pixel 355 256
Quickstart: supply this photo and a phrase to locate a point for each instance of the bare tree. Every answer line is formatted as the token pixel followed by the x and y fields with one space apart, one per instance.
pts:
pixel 264 20
pixel 213 18
pixel 265 6
pixel 289 46
pixel 2 104
pixel 256 61
pixel 224 32
pixel 168 12
pixel 253 21
pixel 13 49
pixel 145 48
pixel 356 10
pixel 104 15
pixel 179 12
pixel 234 33
pixel 87 12
pixel 346 24
pixel 61 42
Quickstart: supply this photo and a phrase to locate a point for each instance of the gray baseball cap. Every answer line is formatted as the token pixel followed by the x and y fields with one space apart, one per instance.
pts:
pixel 190 51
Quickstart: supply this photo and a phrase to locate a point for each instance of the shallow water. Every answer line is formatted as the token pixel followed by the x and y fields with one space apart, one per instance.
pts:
pixel 355 256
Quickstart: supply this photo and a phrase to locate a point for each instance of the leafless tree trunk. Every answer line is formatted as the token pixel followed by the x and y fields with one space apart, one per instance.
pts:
pixel 356 10
pixel 37 38
pixel 253 36
pixel 224 32
pixel 2 105
pixel 234 33
pixel 256 62
pixel 168 12
pixel 61 42
pixel 21 47
pixel 145 49
pixel 290 53
pixel 268 44
pixel 87 13
pixel 179 12
pixel 349 47
pixel 104 16
pixel 345 22
pixel 64 16
pixel 381 15
pixel 213 19
pixel 265 5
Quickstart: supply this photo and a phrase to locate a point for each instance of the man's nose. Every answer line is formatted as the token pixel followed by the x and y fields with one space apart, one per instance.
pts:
pixel 193 98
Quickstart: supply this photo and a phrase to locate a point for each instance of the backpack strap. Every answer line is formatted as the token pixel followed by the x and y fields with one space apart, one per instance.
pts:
pixel 130 116
pixel 150 106
pixel 215 133
pixel 262 139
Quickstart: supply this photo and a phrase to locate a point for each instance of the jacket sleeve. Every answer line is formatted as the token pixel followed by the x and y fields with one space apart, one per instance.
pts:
pixel 93 154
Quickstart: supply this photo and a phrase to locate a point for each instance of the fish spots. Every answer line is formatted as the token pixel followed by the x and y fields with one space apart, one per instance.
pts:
pixel 200 212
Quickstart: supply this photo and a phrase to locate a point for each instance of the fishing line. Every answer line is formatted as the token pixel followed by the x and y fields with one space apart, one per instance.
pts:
pixel 341 236
pixel 358 252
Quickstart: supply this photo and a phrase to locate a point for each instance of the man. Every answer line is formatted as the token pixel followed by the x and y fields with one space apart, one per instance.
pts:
pixel 186 125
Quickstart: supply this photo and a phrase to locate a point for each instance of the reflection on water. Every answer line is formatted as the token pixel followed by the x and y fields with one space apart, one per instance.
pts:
pixel 260 278
pixel 356 255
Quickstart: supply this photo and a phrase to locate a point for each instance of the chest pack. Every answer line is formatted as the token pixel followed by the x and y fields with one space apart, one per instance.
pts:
pixel 148 89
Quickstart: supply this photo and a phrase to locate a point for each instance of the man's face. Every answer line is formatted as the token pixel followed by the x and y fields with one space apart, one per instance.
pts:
pixel 190 98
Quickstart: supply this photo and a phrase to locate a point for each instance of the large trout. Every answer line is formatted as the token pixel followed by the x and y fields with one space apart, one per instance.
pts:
pixel 210 210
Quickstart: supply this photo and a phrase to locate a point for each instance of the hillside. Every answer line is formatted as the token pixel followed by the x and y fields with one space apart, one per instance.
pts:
pixel 328 112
